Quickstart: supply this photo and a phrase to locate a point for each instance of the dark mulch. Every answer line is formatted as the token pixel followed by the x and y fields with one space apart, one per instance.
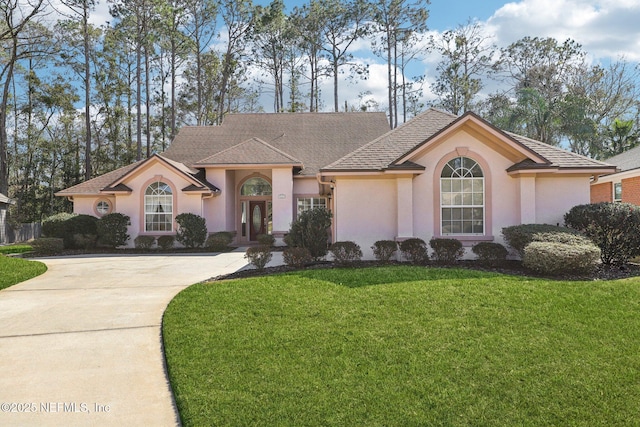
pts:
pixel 510 267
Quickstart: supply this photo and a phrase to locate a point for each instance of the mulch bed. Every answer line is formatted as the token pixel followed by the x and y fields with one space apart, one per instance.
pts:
pixel 514 268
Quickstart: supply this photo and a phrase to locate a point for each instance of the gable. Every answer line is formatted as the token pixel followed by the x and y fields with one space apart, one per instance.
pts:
pixel 251 152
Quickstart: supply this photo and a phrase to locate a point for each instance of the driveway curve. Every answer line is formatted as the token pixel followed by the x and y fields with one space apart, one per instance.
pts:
pixel 81 344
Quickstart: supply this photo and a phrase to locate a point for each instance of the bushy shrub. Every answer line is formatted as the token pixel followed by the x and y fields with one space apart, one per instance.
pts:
pixel 613 227
pixel 566 238
pixel 266 239
pixel 47 245
pixel 414 250
pixel 446 250
pixel 53 226
pixel 144 242
pixel 77 231
pixel 384 250
pixel 112 229
pixel 490 252
pixel 556 258
pixel 192 230
pixel 259 256
pixel 296 257
pixel 219 241
pixel 165 242
pixel 85 241
pixel 519 236
pixel 345 252
pixel 311 231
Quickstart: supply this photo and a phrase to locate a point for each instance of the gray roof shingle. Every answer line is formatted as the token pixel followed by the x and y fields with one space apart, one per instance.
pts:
pixel 628 160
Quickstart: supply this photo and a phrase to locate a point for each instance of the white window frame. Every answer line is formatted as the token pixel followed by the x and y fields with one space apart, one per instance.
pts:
pixel 310 202
pixel 158 195
pixel 459 193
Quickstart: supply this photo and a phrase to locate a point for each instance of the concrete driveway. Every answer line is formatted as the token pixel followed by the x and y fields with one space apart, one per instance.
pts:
pixel 80 345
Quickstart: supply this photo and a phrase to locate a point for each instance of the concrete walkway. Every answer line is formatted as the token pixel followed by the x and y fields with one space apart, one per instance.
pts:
pixel 80 345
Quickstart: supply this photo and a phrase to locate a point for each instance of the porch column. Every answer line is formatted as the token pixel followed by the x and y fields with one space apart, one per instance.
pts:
pixel 282 199
pixel 527 199
pixel 405 207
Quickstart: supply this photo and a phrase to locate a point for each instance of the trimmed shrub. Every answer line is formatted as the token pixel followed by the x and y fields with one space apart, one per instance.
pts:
pixel 613 227
pixel 296 257
pixel 414 250
pixel 346 252
pixel 556 258
pixel 490 252
pixel 144 242
pixel 384 250
pixel 311 231
pixel 112 229
pixel 53 226
pixel 266 239
pixel 566 238
pixel 165 242
pixel 192 230
pixel 47 245
pixel 519 236
pixel 446 250
pixel 85 241
pixel 259 256
pixel 219 242
pixel 71 228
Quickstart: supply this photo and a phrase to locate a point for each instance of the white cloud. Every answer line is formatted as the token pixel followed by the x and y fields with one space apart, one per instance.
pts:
pixel 605 28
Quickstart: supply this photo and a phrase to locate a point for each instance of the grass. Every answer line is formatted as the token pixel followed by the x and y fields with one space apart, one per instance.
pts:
pixel 15 249
pixel 405 346
pixel 16 270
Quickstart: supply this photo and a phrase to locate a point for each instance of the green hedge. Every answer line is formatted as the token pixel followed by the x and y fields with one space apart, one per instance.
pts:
pixel 414 250
pixel 446 250
pixel 384 250
pixel 560 258
pixel 519 236
pixel 346 252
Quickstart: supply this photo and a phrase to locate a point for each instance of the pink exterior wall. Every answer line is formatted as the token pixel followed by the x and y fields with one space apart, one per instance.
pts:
pixel 365 211
pixel 555 197
pixel 282 200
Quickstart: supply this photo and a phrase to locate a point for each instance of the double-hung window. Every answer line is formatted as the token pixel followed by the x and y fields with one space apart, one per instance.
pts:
pixel 462 197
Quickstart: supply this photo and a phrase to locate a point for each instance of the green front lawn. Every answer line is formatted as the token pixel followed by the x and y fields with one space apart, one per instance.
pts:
pixel 15 249
pixel 16 270
pixel 403 346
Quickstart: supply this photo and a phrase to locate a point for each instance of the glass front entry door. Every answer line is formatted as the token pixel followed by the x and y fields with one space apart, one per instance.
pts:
pixel 258 216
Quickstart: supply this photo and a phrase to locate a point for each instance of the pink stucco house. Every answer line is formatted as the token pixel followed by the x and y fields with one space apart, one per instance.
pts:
pixel 436 175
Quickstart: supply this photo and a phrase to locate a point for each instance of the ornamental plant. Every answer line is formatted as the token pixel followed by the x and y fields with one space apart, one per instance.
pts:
pixel 311 231
pixel 613 227
pixel 112 229
pixel 346 252
pixel 192 230
pixel 556 258
pixel 259 256
pixel 490 252
pixel 296 257
pixel 519 236
pixel 384 250
pixel 446 250
pixel 414 250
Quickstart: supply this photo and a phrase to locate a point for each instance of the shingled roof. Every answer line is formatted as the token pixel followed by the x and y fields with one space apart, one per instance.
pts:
pixel 628 160
pixel 250 152
pixel 387 151
pixel 314 139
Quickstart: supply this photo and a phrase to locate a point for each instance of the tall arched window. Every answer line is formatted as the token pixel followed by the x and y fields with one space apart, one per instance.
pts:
pixel 462 197
pixel 158 207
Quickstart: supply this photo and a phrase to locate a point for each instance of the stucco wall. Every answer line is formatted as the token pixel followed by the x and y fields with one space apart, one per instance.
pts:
pixel 555 197
pixel 365 211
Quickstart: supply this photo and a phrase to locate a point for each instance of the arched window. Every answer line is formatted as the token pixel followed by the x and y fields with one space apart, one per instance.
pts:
pixel 462 197
pixel 256 186
pixel 158 207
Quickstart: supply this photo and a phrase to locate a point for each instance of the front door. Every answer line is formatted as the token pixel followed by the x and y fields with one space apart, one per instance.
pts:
pixel 258 213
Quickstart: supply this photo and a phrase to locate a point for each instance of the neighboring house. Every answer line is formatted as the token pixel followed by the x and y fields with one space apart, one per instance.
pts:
pixel 436 175
pixel 622 186
pixel 4 205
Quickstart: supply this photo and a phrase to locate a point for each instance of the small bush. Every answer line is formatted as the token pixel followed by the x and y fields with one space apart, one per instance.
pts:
pixel 165 242
pixel 613 227
pixel 112 230
pixel 296 257
pixel 85 241
pixel 67 226
pixel 266 239
pixel 519 236
pixel 556 258
pixel 414 250
pixel 53 226
pixel 259 256
pixel 566 238
pixel 446 250
pixel 144 242
pixel 192 230
pixel 219 242
pixel 345 252
pixel 48 245
pixel 490 252
pixel 311 231
pixel 384 250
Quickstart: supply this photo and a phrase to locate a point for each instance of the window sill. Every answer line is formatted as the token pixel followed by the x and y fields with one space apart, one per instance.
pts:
pixel 467 240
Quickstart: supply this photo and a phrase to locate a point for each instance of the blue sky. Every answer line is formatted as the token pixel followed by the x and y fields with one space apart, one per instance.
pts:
pixel 607 29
